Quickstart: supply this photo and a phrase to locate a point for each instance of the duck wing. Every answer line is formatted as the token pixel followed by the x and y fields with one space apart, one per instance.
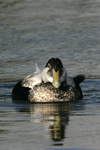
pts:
pixel 32 80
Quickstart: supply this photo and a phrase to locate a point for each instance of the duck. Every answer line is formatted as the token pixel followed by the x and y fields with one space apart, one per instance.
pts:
pixel 52 84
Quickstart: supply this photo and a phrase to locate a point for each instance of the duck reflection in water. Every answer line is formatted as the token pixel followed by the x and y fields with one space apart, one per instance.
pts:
pixel 55 117
pixel 58 126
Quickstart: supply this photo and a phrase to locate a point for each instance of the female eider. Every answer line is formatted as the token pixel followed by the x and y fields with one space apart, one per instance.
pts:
pixel 52 84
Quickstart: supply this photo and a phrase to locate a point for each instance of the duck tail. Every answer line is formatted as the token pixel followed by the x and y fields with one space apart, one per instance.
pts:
pixel 78 79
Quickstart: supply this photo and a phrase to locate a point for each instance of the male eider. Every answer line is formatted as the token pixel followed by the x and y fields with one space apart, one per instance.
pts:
pixel 52 84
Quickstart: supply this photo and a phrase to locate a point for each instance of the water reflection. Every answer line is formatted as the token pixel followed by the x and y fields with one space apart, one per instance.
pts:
pixel 55 117
pixel 57 127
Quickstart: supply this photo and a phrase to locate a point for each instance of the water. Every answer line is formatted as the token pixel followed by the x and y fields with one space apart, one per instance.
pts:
pixel 34 31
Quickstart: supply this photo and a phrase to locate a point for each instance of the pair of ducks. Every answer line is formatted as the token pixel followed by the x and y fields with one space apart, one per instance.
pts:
pixel 50 85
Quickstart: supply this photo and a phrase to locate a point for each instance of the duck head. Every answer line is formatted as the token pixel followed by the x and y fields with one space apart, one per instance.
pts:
pixel 54 72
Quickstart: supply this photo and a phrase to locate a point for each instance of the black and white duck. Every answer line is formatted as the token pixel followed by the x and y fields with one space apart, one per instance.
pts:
pixel 52 84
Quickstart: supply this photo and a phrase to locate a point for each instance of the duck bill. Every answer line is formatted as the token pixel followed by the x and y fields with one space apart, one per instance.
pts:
pixel 56 79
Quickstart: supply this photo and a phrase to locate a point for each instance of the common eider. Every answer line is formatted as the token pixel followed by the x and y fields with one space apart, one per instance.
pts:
pixel 52 84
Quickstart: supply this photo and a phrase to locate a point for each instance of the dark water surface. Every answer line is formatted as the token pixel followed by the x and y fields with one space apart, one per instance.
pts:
pixel 34 31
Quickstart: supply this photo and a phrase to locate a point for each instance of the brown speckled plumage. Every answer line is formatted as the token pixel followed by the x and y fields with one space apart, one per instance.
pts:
pixel 47 93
